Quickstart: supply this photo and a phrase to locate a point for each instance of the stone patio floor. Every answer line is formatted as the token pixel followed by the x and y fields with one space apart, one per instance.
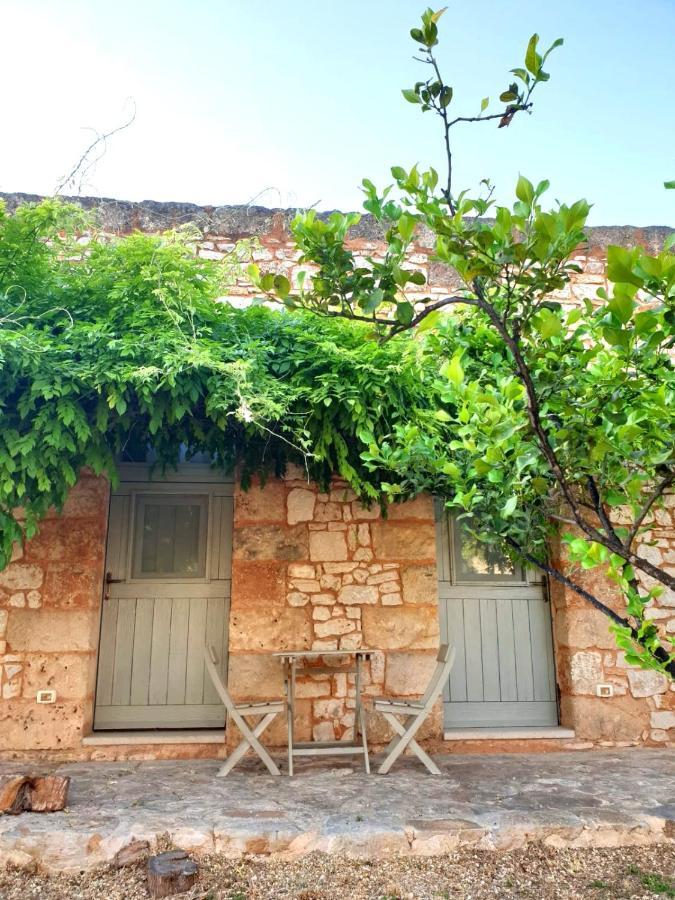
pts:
pixel 594 799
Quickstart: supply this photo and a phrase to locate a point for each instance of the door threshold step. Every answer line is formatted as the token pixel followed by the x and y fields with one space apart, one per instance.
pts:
pixel 526 732
pixel 189 736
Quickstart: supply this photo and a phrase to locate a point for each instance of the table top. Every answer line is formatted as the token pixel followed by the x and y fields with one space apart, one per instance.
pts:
pixel 312 654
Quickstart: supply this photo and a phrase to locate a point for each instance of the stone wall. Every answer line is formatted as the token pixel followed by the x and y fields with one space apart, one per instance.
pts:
pixel 319 571
pixel 642 708
pixel 310 570
pixel 50 600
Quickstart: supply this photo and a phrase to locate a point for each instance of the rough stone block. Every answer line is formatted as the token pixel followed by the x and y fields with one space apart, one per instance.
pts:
pixel 87 499
pixel 260 504
pixel 585 671
pixel 52 630
pixel 270 629
pixel 255 676
pixel 21 577
pixel 420 584
pixel 421 507
pixel 358 593
pixel 359 511
pixel 408 674
pixel 664 719
pixel 401 627
pixel 71 675
pixel 400 540
pixel 596 719
pixel 333 627
pixel 328 512
pixel 644 683
pixel 327 546
pixel 261 583
pixel 300 504
pixel 271 542
pixel 580 628
pixel 67 539
pixel 71 585
pixel 301 570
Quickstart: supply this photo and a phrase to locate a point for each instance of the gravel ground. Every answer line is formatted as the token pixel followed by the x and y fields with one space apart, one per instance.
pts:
pixel 535 872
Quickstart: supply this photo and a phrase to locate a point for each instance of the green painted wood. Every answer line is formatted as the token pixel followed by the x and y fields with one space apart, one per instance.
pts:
pixel 124 643
pixel 106 656
pixel 153 630
pixel 159 652
pixel 178 658
pixel 489 649
pixel 501 714
pixel 504 673
pixel 194 679
pixel 508 685
pixel 140 664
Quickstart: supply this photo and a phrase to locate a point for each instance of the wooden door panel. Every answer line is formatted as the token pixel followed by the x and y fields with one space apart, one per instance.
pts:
pixel 153 629
pixel 504 668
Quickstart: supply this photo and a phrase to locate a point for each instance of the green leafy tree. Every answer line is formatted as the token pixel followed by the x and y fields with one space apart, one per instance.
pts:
pixel 551 420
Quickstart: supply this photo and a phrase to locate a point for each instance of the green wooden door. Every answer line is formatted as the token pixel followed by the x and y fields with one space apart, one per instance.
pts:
pixel 498 617
pixel 168 568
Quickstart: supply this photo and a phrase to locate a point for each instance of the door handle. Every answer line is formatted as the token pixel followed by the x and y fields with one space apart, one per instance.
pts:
pixel 108 581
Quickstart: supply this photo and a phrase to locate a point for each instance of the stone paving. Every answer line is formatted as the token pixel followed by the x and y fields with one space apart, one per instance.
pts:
pixel 598 799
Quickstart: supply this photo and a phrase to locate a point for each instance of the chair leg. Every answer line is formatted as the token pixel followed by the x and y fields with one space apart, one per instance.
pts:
pixel 407 734
pixel 250 740
pixel 364 741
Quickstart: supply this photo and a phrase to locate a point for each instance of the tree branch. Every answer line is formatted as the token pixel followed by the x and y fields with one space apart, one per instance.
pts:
pixel 663 486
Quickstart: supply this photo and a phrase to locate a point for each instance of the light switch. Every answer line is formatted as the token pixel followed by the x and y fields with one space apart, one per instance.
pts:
pixel 46 697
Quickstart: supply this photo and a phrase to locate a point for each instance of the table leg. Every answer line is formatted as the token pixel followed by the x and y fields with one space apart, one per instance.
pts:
pixel 290 709
pixel 359 721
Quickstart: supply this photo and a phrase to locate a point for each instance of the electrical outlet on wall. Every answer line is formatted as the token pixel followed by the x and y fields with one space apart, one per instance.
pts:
pixel 46 697
pixel 604 690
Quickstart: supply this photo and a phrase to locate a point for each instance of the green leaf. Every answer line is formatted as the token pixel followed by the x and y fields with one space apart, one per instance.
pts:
pixel 484 104
pixel 410 95
pixel 669 185
pixel 525 190
pixel 531 55
pixel 453 370
pixel 406 226
pixel 282 285
pixel 509 507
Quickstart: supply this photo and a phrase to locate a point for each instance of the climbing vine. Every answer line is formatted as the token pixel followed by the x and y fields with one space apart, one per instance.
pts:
pixel 114 345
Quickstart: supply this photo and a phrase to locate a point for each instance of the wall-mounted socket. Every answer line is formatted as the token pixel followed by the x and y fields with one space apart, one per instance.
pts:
pixel 604 690
pixel 46 697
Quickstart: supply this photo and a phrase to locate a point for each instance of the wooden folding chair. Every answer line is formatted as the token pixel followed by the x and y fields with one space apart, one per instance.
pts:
pixel 413 714
pixel 265 711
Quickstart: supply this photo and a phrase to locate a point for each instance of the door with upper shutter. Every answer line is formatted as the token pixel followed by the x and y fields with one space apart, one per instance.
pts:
pixel 167 594
pixel 498 617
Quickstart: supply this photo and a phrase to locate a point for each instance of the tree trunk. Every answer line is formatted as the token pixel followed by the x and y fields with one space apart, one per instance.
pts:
pixel 171 873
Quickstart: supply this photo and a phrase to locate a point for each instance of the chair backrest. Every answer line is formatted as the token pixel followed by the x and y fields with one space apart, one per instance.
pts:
pixel 210 660
pixel 445 660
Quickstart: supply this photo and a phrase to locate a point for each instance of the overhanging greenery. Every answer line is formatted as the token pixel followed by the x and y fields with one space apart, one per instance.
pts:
pixel 109 347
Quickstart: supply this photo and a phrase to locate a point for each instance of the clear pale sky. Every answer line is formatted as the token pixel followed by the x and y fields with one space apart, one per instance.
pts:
pixel 292 103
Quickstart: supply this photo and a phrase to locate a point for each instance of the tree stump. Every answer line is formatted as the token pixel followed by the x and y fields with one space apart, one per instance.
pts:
pixel 171 873
pixel 33 793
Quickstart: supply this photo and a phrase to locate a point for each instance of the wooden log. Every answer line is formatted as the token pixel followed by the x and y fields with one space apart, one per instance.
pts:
pixel 171 873
pixel 13 792
pixel 48 793
pixel 132 853
pixel 33 793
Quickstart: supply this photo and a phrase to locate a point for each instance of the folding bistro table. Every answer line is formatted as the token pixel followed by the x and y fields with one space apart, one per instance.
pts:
pixel 295 663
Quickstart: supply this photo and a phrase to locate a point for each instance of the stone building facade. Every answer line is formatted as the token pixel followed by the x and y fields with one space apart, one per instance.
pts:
pixel 309 570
